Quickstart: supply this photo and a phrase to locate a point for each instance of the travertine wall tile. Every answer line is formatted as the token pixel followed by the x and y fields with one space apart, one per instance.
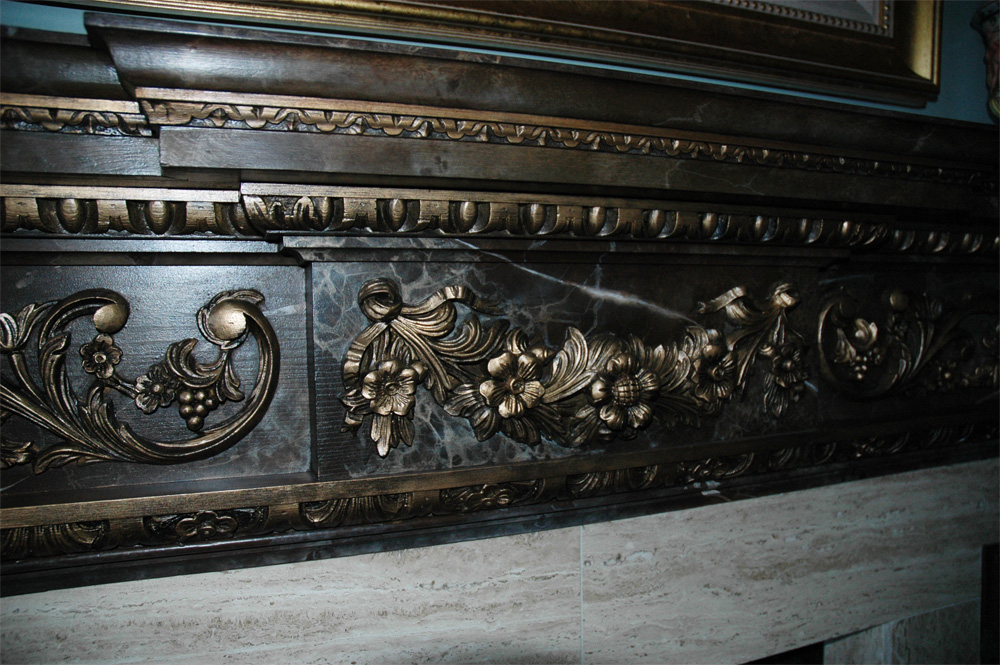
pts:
pixel 507 600
pixel 740 581
pixel 724 583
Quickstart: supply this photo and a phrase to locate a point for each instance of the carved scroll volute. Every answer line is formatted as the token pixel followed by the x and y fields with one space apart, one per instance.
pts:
pixel 918 341
pixel 87 427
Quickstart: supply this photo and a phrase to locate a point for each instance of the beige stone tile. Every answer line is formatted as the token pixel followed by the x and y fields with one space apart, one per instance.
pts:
pixel 946 635
pixel 503 600
pixel 735 582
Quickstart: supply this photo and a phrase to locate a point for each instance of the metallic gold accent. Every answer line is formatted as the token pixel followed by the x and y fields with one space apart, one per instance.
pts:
pixel 920 338
pixel 333 210
pixel 716 468
pixel 591 389
pixel 87 428
pixel 609 482
pixel 204 525
pixel 270 208
pixel 475 498
pixel 72 115
pixel 428 123
pixel 356 510
pixel 54 539
pixel 133 210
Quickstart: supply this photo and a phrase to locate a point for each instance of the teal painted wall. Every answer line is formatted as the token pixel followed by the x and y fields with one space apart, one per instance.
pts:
pixel 963 73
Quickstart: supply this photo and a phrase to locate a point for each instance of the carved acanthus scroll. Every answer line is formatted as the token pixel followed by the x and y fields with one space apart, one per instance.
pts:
pixel 87 428
pixel 595 388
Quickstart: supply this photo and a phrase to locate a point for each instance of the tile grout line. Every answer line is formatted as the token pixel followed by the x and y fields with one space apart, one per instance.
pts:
pixel 581 593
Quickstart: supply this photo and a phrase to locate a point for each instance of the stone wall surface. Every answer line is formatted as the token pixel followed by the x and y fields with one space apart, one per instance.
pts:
pixel 724 583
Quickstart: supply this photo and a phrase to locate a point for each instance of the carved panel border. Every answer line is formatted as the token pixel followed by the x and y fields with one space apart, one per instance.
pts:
pixel 264 112
pixel 695 477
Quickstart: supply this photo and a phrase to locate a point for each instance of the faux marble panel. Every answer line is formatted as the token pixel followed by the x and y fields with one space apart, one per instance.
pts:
pixel 865 647
pixel 508 600
pixel 626 295
pixel 947 635
pixel 741 581
pixel 164 301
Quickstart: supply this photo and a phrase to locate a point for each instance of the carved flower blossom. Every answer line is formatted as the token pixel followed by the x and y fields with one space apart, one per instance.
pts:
pixel 714 370
pixel 157 388
pixel 514 387
pixel 785 380
pixel 100 356
pixel 390 387
pixel 623 392
pixel 509 399
pixel 788 367
pixel 627 379
pixel 387 392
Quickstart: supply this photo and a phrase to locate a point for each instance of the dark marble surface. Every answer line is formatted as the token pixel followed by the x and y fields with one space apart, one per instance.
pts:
pixel 652 297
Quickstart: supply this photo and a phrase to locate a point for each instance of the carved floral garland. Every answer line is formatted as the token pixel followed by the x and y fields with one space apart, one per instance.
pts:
pixel 595 388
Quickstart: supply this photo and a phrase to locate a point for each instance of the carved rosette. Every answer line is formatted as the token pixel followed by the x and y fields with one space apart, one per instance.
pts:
pixel 921 344
pixel 594 389
pixel 204 525
pixel 86 427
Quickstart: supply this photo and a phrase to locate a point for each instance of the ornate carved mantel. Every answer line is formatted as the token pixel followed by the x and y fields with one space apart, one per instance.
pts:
pixel 270 296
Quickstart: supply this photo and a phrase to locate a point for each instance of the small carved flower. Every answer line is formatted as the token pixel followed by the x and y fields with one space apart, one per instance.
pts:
pixel 157 388
pixel 387 392
pixel 509 400
pixel 945 375
pixel 787 367
pixel 100 356
pixel 515 386
pixel 206 525
pixel 714 371
pixel 624 391
pixel 391 386
pixel 785 381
